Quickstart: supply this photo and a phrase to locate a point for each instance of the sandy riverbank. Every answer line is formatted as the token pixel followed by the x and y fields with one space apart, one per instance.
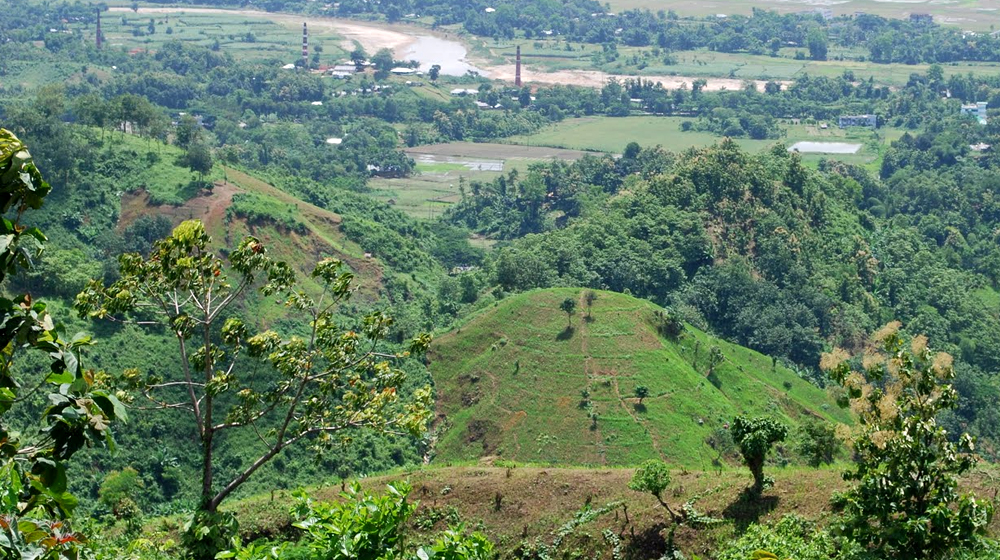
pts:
pixel 596 78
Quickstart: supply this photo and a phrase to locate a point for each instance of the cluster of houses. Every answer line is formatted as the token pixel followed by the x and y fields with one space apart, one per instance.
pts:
pixel 977 110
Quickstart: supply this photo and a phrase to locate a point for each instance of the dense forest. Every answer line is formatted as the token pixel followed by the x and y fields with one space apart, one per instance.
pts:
pixel 257 320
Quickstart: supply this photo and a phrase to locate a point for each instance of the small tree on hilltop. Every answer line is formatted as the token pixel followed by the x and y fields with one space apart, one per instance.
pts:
pixel 324 384
pixel 906 503
pixel 589 297
pixel 653 477
pixel 568 306
pixel 641 392
pixel 755 437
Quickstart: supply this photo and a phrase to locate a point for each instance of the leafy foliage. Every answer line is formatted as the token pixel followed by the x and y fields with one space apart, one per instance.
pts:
pixel 34 498
pixel 568 306
pixel 365 526
pixel 653 477
pixel 906 501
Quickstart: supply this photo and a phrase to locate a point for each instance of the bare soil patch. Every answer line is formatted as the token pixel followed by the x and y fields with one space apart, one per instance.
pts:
pixel 209 207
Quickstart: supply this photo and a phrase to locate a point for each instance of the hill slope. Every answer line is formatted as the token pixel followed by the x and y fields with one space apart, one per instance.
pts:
pixel 516 382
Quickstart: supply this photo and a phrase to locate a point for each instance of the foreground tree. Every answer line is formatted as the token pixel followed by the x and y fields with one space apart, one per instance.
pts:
pixel 34 501
pixel 319 386
pixel 755 437
pixel 906 502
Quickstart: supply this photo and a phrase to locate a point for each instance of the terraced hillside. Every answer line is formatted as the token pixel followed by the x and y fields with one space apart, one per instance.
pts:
pixel 516 382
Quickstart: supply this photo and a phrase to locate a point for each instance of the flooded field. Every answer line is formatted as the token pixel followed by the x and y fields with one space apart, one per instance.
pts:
pixel 432 162
pixel 825 148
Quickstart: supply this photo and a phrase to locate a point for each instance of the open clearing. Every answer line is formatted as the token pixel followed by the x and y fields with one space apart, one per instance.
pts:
pixel 500 151
pixel 518 381
pixel 337 31
pixel 723 70
pixel 824 147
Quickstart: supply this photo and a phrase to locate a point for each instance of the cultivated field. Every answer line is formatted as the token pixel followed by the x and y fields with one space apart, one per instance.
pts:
pixel 244 34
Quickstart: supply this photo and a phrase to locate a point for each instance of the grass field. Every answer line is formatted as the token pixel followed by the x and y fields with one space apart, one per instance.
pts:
pixel 516 382
pixel 611 134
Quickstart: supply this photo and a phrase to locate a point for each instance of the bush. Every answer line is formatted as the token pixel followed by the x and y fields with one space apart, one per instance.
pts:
pixel 791 537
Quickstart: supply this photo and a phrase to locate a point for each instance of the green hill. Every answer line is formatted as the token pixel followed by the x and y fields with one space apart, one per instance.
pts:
pixel 515 382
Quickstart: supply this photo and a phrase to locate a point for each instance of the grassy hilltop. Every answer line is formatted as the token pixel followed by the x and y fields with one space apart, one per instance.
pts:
pixel 516 382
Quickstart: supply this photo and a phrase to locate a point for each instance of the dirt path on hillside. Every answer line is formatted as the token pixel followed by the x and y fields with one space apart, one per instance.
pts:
pixel 621 400
pixel 588 372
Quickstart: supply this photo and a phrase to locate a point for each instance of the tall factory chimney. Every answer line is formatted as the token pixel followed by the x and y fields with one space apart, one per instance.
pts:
pixel 517 71
pixel 305 46
pixel 100 36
